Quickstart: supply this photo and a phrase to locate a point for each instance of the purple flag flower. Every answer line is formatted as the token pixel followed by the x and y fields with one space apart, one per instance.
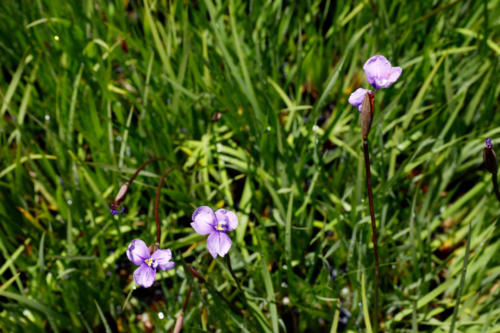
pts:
pixel 139 254
pixel 490 158
pixel 488 143
pixel 356 98
pixel 114 209
pixel 379 72
pixel 215 225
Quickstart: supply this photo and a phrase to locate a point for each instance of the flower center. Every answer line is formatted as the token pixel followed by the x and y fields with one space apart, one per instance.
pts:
pixel 220 226
pixel 151 263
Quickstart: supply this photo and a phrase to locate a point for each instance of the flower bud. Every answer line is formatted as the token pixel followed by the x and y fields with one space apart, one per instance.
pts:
pixel 122 193
pixel 490 158
pixel 178 323
pixel 366 114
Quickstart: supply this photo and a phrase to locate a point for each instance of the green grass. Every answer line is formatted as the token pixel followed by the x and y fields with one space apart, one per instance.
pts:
pixel 249 99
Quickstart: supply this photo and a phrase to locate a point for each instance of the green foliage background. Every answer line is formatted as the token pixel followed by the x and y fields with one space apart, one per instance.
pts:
pixel 249 99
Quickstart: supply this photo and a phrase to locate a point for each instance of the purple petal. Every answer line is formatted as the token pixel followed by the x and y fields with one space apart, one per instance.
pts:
pixel 204 220
pixel 218 243
pixel 161 258
pixel 395 74
pixel 356 98
pixel 488 143
pixel 137 252
pixel 227 219
pixel 168 266
pixel 113 210
pixel 380 73
pixel 145 276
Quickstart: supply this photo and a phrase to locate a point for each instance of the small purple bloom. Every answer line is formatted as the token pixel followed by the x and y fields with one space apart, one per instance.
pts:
pixel 380 73
pixel 356 98
pixel 139 254
pixel 114 209
pixel 206 222
pixel 488 143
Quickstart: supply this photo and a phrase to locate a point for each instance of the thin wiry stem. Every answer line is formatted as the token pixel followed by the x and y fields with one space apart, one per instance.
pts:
pixel 122 193
pixel 244 297
pixel 157 205
pixel 228 262
pixel 495 185
pixel 374 230
pixel 142 166
pixel 184 306
pixel 195 274
pixel 200 278
pixel 179 321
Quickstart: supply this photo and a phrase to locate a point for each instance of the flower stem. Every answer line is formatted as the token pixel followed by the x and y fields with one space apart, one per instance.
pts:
pixel 142 166
pixel 195 273
pixel 178 322
pixel 228 262
pixel 157 205
pixel 184 306
pixel 201 279
pixel 122 193
pixel 494 177
pixel 374 230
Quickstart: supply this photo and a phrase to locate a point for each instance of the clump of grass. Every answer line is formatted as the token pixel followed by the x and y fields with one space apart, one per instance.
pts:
pixel 250 101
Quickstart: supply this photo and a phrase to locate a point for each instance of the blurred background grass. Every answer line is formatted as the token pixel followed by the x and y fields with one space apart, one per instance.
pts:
pixel 250 100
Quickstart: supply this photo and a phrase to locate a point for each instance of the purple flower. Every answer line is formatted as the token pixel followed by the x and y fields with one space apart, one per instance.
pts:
pixel 114 209
pixel 356 98
pixel 490 158
pixel 139 254
pixel 380 73
pixel 488 143
pixel 206 222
